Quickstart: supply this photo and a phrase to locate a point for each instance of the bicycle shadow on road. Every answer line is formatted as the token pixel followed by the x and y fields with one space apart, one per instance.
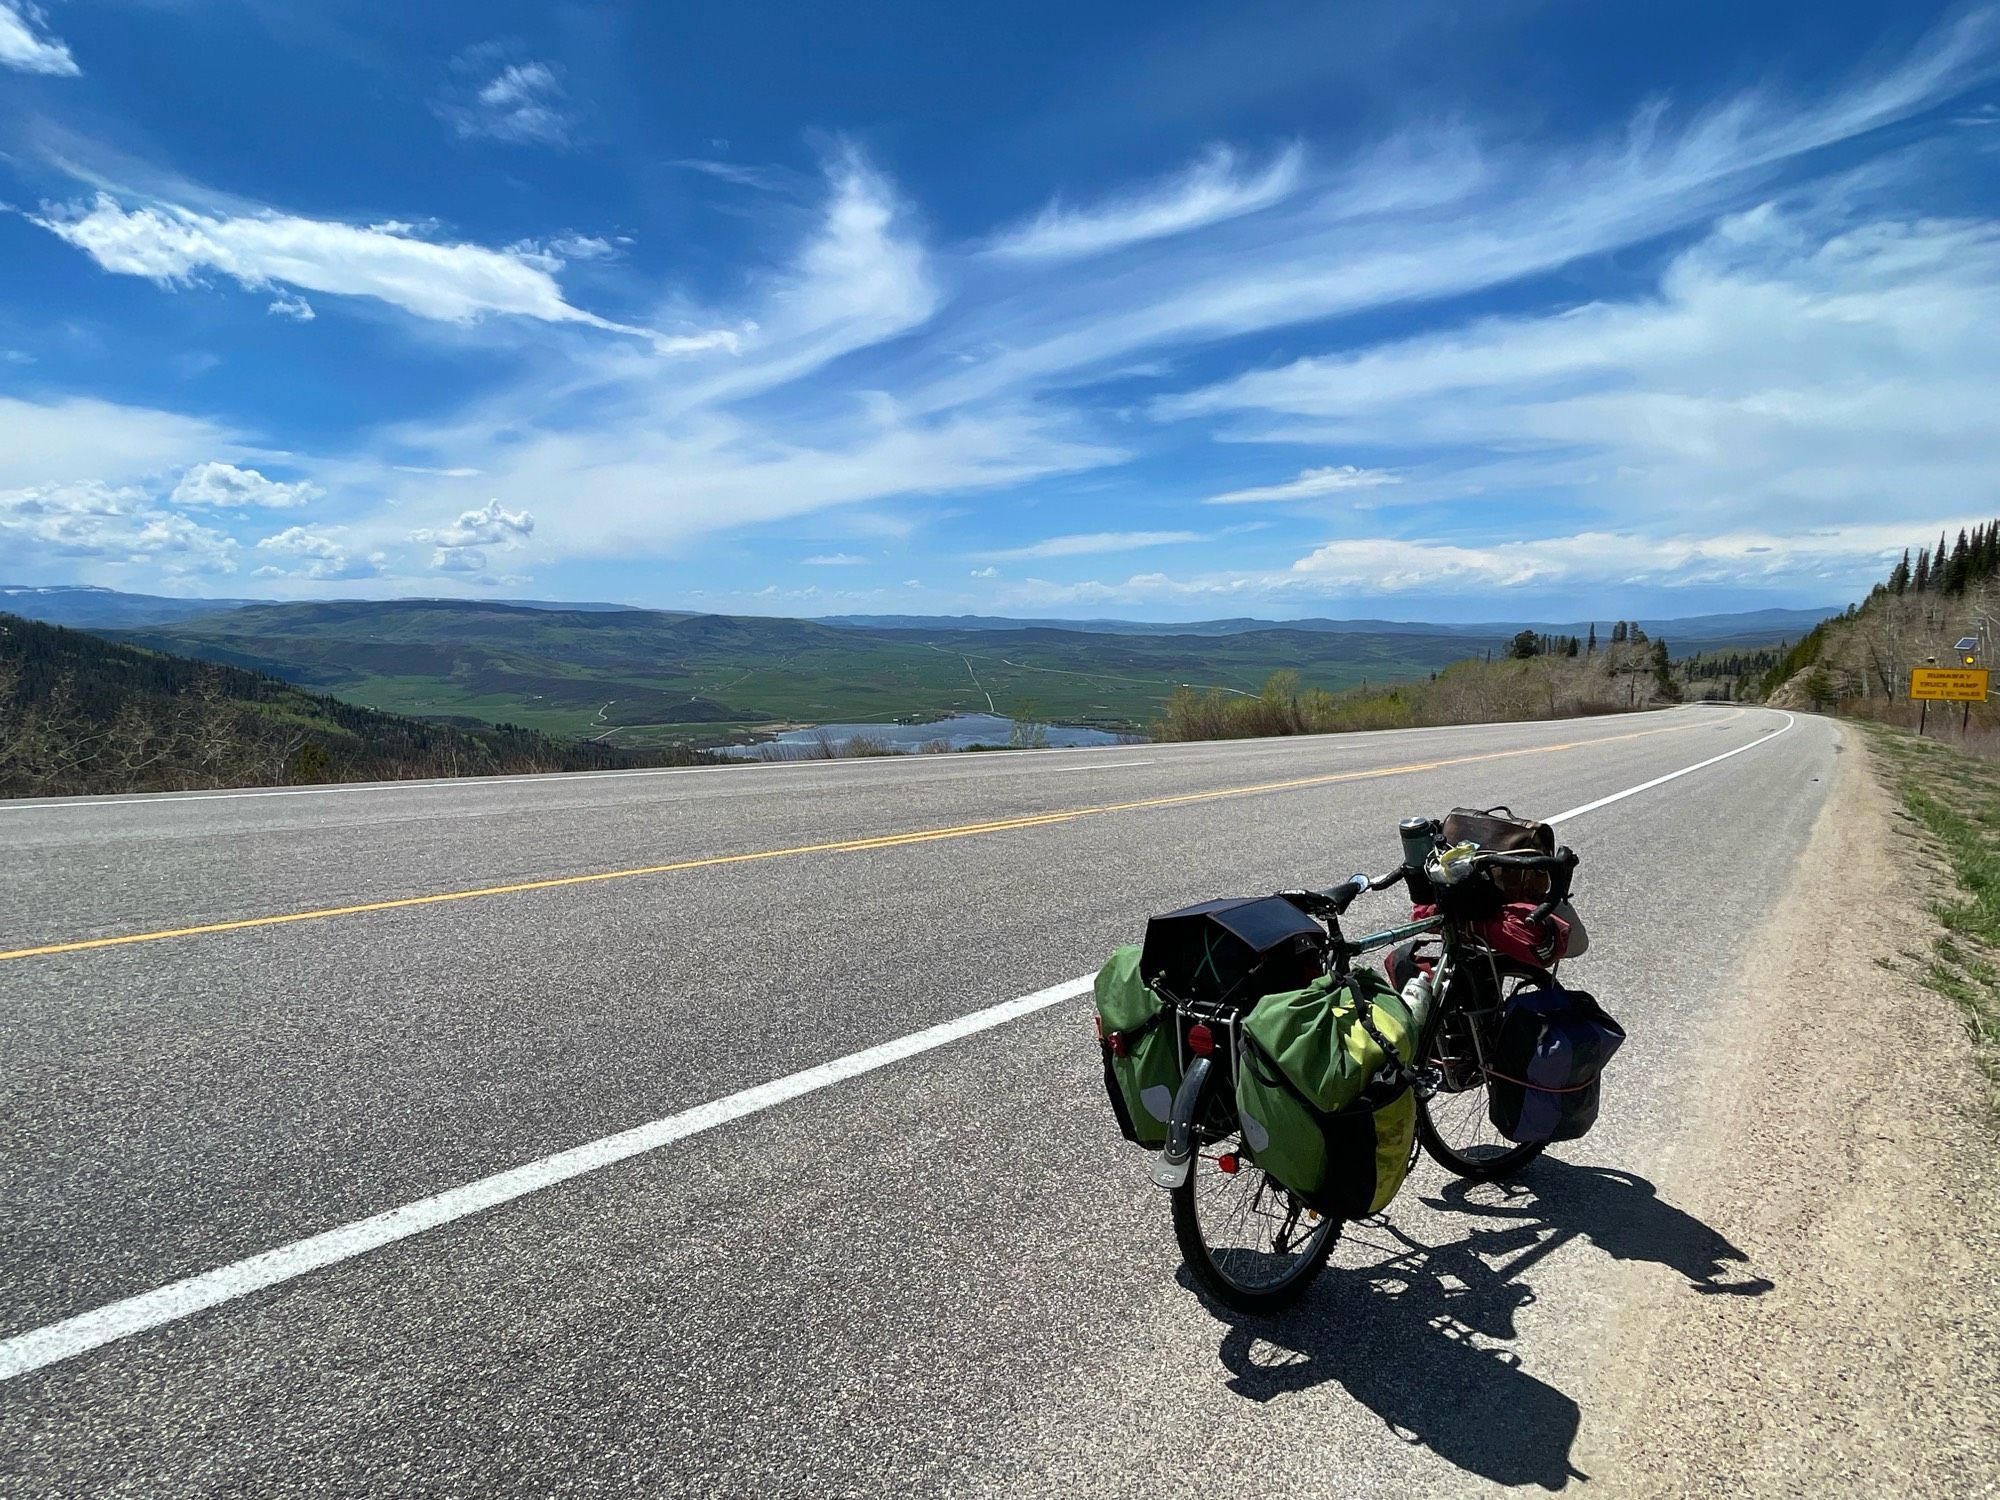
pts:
pixel 1410 1334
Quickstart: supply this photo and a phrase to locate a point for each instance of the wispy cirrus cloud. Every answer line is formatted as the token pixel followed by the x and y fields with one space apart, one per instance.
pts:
pixel 1791 361
pixel 1216 186
pixel 448 281
pixel 1312 484
pixel 26 44
pixel 497 95
pixel 1083 544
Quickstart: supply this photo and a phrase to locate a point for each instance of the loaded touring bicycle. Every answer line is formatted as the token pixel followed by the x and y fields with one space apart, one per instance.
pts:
pixel 1286 1089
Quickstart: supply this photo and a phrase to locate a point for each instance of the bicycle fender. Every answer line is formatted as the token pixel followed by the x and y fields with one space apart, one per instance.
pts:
pixel 1171 1166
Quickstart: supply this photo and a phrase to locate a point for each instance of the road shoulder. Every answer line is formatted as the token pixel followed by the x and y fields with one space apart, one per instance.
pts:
pixel 1847 1150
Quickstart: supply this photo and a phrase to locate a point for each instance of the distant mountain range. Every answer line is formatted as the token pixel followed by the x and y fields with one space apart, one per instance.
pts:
pixel 89 608
pixel 1748 627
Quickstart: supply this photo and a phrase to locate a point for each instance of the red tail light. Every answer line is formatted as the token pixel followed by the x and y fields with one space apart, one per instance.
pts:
pixel 1201 1041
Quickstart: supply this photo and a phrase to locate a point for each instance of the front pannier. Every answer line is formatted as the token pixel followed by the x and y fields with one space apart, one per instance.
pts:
pixel 1323 1092
pixel 1548 1050
pixel 1142 1065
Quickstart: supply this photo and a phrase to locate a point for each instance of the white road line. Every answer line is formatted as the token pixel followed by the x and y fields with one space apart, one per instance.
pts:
pixel 70 1337
pixel 1647 786
pixel 117 1320
pixel 1096 766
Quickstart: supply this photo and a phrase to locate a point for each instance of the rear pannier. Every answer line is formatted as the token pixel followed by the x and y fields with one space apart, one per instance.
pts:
pixel 1323 1092
pixel 1142 1065
pixel 1548 1050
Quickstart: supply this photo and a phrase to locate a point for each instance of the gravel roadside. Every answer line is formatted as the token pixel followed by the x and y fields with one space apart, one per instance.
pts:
pixel 1850 1155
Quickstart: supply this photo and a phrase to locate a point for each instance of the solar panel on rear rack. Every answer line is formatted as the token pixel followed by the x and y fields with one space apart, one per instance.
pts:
pixel 1234 950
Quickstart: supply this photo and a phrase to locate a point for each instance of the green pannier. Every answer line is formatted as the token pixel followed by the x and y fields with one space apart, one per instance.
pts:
pixel 1142 1064
pixel 1323 1092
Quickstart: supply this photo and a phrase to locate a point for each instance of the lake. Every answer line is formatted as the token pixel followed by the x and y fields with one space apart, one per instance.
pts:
pixel 960 731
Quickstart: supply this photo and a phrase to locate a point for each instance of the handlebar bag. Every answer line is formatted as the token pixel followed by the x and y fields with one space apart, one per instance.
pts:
pixel 1323 1092
pixel 1498 830
pixel 1548 1053
pixel 1142 1064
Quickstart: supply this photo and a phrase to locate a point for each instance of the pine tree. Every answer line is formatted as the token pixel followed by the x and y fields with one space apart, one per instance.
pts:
pixel 1938 562
pixel 1954 571
pixel 1591 649
pixel 1921 580
pixel 1899 576
pixel 1618 634
pixel 1570 649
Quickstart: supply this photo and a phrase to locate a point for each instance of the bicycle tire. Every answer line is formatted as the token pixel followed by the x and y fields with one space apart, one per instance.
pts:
pixel 1201 1264
pixel 1473 1169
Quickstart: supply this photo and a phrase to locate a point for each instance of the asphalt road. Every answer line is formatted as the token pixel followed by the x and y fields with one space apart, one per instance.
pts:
pixel 945 1275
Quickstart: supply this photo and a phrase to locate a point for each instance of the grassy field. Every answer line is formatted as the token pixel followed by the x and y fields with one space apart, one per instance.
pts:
pixel 1955 797
pixel 640 677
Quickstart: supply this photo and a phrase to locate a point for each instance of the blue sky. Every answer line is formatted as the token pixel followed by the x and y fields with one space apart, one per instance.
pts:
pixel 1431 311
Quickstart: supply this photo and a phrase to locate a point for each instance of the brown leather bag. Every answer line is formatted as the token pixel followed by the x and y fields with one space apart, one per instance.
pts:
pixel 1497 828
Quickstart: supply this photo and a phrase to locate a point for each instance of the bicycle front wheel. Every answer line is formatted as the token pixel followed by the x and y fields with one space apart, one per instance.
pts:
pixel 1459 1136
pixel 1250 1241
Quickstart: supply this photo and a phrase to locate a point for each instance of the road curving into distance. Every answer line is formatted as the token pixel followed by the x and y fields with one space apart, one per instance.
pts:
pixel 736 1131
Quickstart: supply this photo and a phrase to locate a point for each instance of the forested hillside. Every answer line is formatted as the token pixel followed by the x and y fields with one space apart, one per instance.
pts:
pixel 82 714
pixel 1859 662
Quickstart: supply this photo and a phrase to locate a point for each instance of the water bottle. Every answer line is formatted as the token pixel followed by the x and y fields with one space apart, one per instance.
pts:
pixel 1417 997
pixel 1417 841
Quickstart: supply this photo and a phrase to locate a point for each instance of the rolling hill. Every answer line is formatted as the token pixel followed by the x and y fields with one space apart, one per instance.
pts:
pixel 639 677
pixel 82 714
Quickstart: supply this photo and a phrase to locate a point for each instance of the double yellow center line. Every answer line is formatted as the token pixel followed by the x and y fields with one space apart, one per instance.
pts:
pixel 842 846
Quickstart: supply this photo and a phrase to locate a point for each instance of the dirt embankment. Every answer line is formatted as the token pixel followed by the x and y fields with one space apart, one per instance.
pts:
pixel 1851 1154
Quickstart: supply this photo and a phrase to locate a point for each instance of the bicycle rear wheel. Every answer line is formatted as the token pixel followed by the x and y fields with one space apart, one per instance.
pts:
pixel 1251 1242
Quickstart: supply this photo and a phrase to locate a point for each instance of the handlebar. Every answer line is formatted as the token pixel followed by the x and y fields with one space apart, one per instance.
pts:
pixel 1561 866
pixel 1335 900
pixel 1340 897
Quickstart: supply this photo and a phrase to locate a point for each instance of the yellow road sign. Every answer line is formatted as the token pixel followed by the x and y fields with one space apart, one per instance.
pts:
pixel 1948 684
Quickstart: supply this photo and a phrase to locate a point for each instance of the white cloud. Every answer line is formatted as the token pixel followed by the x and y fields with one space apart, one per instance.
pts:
pixel 1790 365
pixel 1395 565
pixel 51 442
pixel 986 572
pixel 119 524
pixel 1215 187
pixel 225 486
pixel 323 553
pixel 521 102
pixel 26 45
pixel 490 524
pixel 449 282
pixel 1311 484
pixel 291 305
pixel 1084 544
pixel 833 560
pixel 458 545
